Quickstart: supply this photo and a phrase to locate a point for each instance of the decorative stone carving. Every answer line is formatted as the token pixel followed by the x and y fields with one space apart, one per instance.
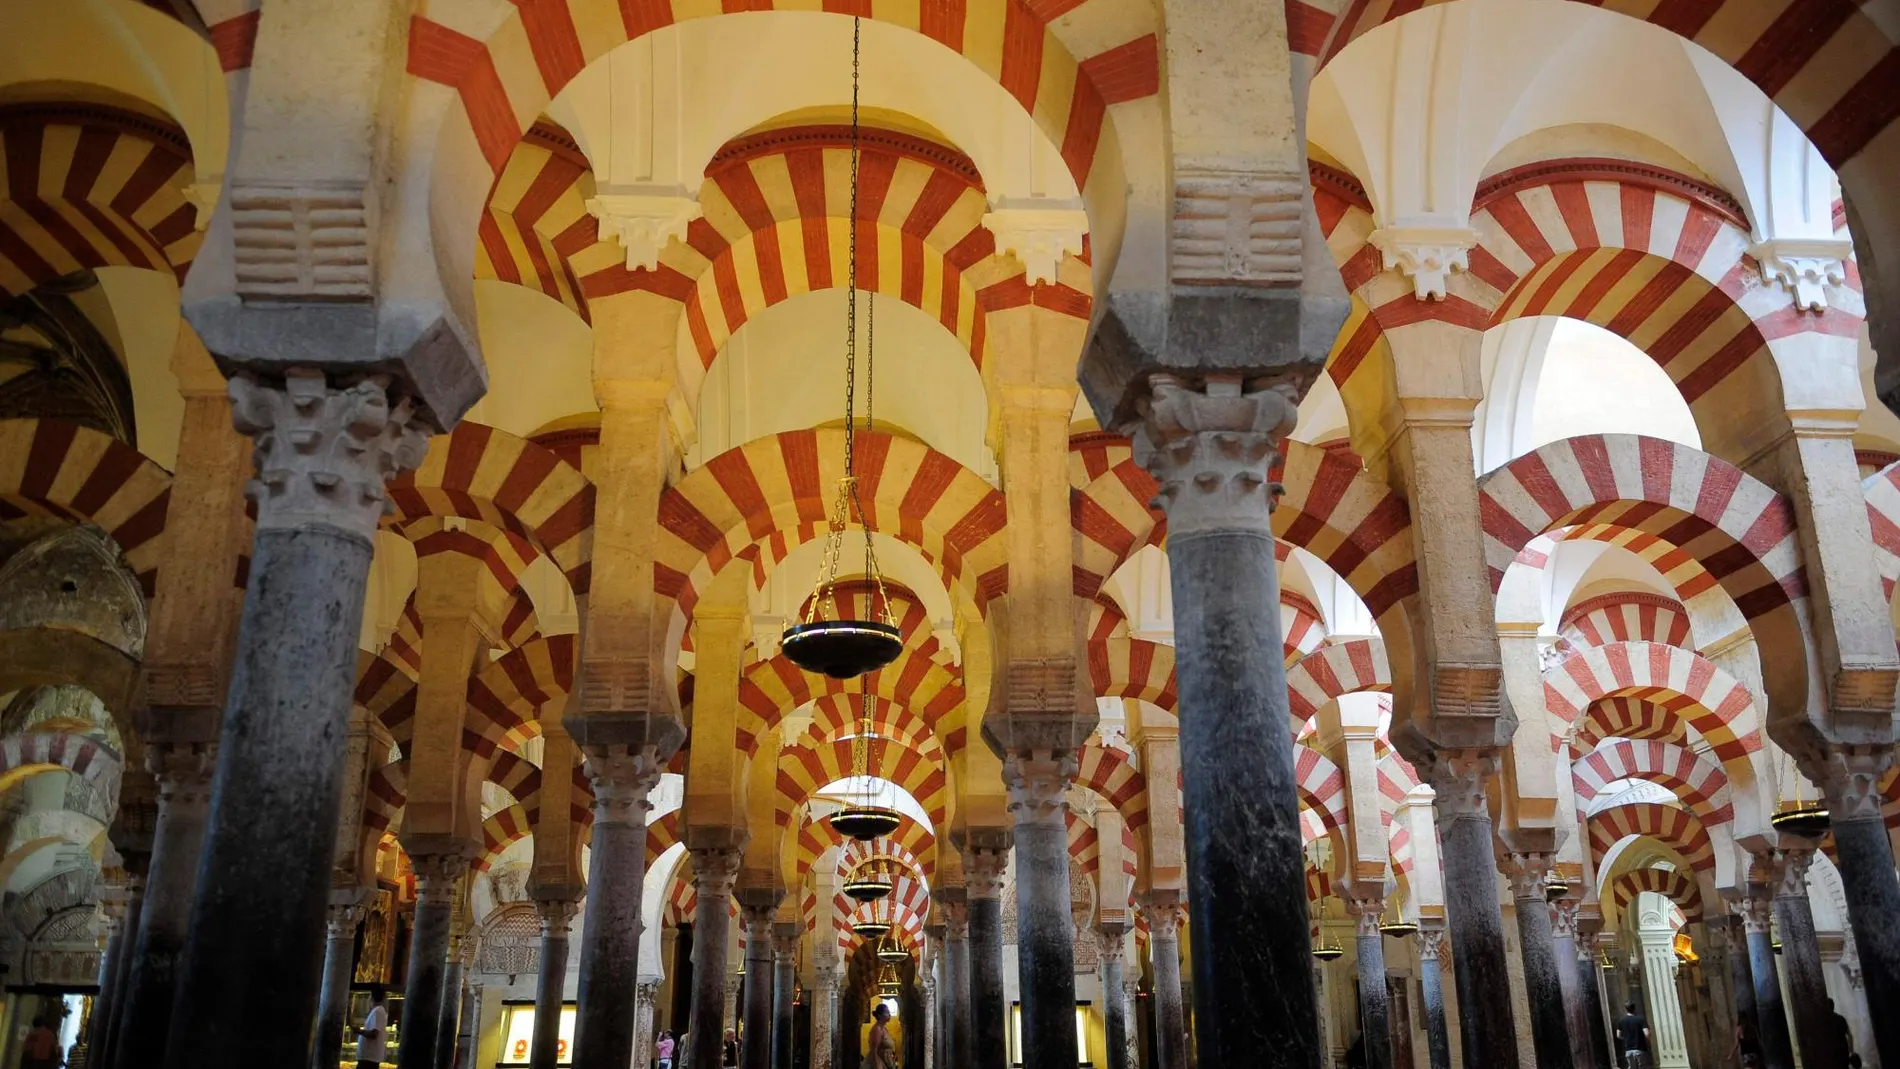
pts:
pixel 1038 783
pixel 74 579
pixel 983 867
pixel 1458 778
pixel 438 876
pixel 956 921
pixel 1850 777
pixel 1529 874
pixel 623 778
pixel 343 919
pixel 301 241
pixel 509 883
pixel 323 453
pixel 1425 254
pixel 556 915
pixel 1756 907
pixel 1162 914
pixel 1210 446
pixel 1236 226
pixel 1431 944
pixel 510 943
pixel 1563 918
pixel 1038 237
pixel 1806 266
pixel 183 771
pixel 644 223
pixel 1366 905
pixel 716 869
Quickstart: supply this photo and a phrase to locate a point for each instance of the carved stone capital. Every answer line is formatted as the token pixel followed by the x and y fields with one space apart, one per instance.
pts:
pixel 757 918
pixel 557 915
pixel 956 922
pixel 1365 903
pixel 622 778
pixel 1458 779
pixel 343 919
pixel 1162 914
pixel 437 876
pixel 323 452
pixel 1563 917
pixel 985 858
pixel 1210 446
pixel 1806 266
pixel 1850 778
pixel 1038 237
pixel 1111 943
pixel 183 771
pixel 1755 905
pixel 784 943
pixel 1529 874
pixel 1425 254
pixel 643 222
pixel 1783 871
pixel 715 870
pixel 1038 784
pixel 1431 943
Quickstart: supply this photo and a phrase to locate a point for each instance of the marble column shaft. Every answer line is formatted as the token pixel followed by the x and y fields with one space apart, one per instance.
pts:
pixel 1741 977
pixel 983 881
pixel 784 986
pixel 134 916
pixel 1777 1046
pixel 622 767
pixel 1550 1033
pixel 120 920
pixel 1045 929
pixel 714 871
pixel 1375 1009
pixel 1801 957
pixel 550 982
pixel 339 950
pixel 323 455
pixel 1563 941
pixel 824 1018
pixel 956 963
pixel 1431 978
pixel 756 1050
pixel 448 1028
pixel 1164 949
pixel 183 773
pixel 1210 447
pixel 1479 962
pixel 1591 977
pixel 1114 1004
pixel 425 993
pixel 1863 853
pixel 644 1033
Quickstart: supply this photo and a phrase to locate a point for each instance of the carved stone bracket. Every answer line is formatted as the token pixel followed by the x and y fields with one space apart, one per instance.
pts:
pixel 1425 254
pixel 1236 226
pixel 302 241
pixel 1038 784
pixel 323 452
pixel 1806 266
pixel 985 857
pixel 644 222
pixel 1210 446
pixel 1038 237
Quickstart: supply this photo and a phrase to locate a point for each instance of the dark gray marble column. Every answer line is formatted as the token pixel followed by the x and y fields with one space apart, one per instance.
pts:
pixel 1756 906
pixel 339 964
pixel 323 453
pixel 449 1019
pixel 1563 941
pixel 1479 963
pixel 1550 1033
pixel 985 853
pixel 1375 1010
pixel 1801 957
pixel 756 1048
pixel 1850 777
pixel 956 968
pixel 1114 1003
pixel 1162 912
pixel 438 879
pixel 1741 977
pixel 1038 782
pixel 1209 446
pixel 1590 974
pixel 550 983
pixel 1431 953
pixel 784 986
pixel 134 916
pixel 715 868
pixel 182 770
pixel 123 918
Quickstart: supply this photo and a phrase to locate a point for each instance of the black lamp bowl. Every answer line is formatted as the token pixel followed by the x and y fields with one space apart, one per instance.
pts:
pixel 842 649
pixel 871 929
pixel 1399 929
pixel 1555 888
pixel 1328 953
pixel 867 890
pixel 891 990
pixel 893 955
pixel 1809 821
pixel 865 822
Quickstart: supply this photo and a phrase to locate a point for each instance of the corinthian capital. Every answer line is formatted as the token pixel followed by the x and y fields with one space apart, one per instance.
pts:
pixel 1038 783
pixel 324 451
pixel 985 857
pixel 623 756
pixel 1162 913
pixel 1458 778
pixel 715 870
pixel 1210 446
pixel 1850 777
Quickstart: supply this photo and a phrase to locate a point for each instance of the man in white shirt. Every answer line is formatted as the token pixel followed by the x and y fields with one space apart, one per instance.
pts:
pixel 372 1040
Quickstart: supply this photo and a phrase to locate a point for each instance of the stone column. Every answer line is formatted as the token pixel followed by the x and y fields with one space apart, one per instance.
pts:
pixel 1115 1029
pixel 756 1051
pixel 1741 978
pixel 437 878
pixel 106 1003
pixel 1210 445
pixel 1563 940
pixel 182 769
pixel 1801 957
pixel 1471 905
pixel 1668 1047
pixel 784 987
pixel 956 973
pixel 1162 911
pixel 623 756
pixel 985 853
pixel 1037 782
pixel 1850 776
pixel 449 1021
pixel 824 1015
pixel 339 966
pixel 1756 907
pixel 929 983
pixel 1591 975
pixel 1375 1012
pixel 1431 952
pixel 644 995
pixel 323 452
pixel 715 868
pixel 557 917
pixel 1530 875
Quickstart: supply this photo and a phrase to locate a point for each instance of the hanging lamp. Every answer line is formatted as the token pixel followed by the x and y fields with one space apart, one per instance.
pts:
pixel 1809 820
pixel 1399 928
pixel 868 884
pixel 1325 950
pixel 1555 887
pixel 866 817
pixel 890 953
pixel 870 928
pixel 828 639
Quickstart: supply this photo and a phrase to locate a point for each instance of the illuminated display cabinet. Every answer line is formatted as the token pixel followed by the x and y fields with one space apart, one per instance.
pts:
pixel 517 1034
pixel 1081 1034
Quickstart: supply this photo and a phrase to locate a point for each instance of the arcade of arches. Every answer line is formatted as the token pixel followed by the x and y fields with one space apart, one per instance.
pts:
pixel 1392 513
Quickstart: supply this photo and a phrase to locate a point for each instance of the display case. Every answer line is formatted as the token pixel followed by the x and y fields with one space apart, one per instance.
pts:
pixel 517 1034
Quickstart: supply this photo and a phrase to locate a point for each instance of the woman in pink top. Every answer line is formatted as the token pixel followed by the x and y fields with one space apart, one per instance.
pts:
pixel 663 1050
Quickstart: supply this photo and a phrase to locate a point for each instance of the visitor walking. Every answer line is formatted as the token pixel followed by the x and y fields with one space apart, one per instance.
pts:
pixel 883 1051
pixel 372 1040
pixel 1632 1037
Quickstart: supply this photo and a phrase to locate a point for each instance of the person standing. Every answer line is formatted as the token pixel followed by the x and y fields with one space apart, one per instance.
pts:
pixel 41 1048
pixel 372 1040
pixel 883 1050
pixel 1632 1037
pixel 730 1055
pixel 663 1050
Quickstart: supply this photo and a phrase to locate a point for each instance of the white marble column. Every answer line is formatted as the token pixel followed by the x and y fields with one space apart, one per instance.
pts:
pixel 824 1016
pixel 1668 1047
pixel 644 995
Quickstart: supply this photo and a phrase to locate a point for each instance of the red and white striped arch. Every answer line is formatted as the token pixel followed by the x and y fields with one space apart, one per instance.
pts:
pixel 68 472
pixel 1622 717
pixel 1674 827
pixel 835 716
pixel 803 770
pixel 1302 628
pixel 47 751
pixel 1882 491
pixel 507 697
pixel 1699 782
pixel 536 232
pixel 817 836
pixel 912 689
pixel 1133 668
pixel 1626 616
pixel 905 909
pixel 1676 887
pixel 1357 665
pixel 1110 773
pixel 1679 681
